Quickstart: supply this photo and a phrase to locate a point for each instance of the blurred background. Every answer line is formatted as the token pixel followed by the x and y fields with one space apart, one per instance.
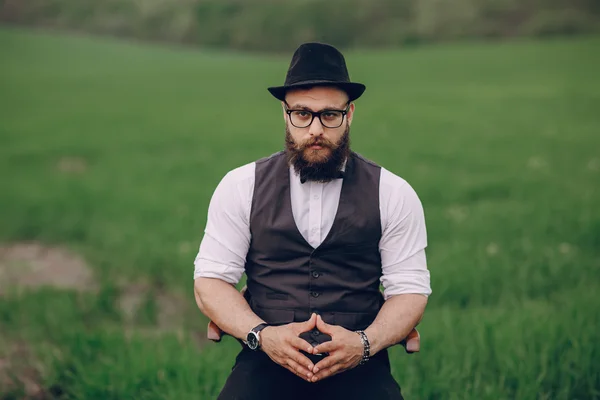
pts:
pixel 118 118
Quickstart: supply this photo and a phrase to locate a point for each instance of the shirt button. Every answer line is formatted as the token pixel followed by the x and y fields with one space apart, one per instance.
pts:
pixel 315 274
pixel 316 197
pixel 315 294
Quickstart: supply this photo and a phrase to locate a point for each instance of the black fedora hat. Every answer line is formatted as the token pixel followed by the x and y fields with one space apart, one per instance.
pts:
pixel 318 64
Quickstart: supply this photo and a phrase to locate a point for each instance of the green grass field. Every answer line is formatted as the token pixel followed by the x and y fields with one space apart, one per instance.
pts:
pixel 501 142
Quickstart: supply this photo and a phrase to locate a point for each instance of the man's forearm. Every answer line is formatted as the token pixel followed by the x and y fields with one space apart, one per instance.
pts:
pixel 225 306
pixel 398 316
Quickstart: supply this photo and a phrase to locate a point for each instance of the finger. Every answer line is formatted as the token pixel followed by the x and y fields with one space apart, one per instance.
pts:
pixel 327 347
pixel 301 344
pixel 327 373
pixel 327 362
pixel 324 327
pixel 307 325
pixel 293 371
pixel 301 360
pixel 298 369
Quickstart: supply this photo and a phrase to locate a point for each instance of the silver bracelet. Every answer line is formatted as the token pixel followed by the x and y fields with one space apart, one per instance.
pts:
pixel 367 347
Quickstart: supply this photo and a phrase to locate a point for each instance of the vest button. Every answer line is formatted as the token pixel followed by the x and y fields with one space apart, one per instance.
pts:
pixel 315 294
pixel 314 332
pixel 315 274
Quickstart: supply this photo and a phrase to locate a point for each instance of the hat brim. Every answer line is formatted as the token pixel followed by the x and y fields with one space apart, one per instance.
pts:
pixel 353 89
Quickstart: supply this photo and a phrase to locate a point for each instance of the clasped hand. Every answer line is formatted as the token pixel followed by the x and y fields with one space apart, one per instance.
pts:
pixel 282 344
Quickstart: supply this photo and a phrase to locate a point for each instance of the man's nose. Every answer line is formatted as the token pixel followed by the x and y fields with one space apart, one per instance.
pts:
pixel 316 128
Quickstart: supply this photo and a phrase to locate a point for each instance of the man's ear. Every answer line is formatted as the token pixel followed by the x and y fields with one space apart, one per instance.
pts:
pixel 283 110
pixel 350 114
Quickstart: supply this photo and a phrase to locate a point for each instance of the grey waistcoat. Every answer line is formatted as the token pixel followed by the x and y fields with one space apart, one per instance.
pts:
pixel 288 279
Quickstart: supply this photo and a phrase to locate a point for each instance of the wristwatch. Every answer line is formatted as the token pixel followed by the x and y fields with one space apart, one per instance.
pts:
pixel 253 338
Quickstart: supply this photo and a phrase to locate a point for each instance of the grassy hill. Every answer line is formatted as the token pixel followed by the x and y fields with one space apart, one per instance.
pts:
pixel 110 151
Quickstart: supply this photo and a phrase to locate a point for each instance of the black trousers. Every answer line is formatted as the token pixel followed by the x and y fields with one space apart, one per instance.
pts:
pixel 256 376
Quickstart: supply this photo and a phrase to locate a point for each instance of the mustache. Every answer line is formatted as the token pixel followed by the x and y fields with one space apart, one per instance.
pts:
pixel 320 141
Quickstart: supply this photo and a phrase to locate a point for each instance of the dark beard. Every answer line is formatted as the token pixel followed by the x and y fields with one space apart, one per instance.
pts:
pixel 321 171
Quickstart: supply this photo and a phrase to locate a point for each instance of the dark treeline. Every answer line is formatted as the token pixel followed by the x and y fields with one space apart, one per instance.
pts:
pixel 274 25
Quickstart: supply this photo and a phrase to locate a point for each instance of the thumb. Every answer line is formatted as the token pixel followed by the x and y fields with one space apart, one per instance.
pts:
pixel 323 326
pixel 308 324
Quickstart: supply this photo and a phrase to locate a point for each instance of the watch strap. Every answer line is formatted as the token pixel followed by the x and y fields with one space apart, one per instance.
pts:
pixel 259 327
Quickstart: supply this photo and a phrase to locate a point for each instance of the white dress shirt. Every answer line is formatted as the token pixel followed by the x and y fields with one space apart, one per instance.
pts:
pixel 226 241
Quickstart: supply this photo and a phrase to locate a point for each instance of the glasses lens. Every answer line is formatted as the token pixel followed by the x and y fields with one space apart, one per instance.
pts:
pixel 332 119
pixel 301 119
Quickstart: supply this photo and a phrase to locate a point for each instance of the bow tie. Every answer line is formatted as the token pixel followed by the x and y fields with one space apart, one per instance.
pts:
pixel 338 175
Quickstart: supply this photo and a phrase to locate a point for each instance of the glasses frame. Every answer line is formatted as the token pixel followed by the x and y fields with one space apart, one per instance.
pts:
pixel 314 114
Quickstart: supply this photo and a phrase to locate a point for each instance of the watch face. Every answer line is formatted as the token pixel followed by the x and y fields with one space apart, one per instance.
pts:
pixel 252 340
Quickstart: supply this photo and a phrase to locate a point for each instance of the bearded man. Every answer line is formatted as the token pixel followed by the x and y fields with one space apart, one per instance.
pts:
pixel 317 229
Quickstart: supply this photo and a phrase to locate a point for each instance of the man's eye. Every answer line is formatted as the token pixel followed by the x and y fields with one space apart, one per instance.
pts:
pixel 331 115
pixel 301 114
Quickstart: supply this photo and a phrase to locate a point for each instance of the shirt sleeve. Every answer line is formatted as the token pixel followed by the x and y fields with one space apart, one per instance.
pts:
pixel 223 249
pixel 403 240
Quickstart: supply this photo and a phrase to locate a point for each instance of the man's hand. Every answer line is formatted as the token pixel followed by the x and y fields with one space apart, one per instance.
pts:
pixel 345 351
pixel 282 345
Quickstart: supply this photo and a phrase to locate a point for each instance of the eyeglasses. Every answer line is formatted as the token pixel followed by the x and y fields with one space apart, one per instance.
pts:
pixel 328 118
